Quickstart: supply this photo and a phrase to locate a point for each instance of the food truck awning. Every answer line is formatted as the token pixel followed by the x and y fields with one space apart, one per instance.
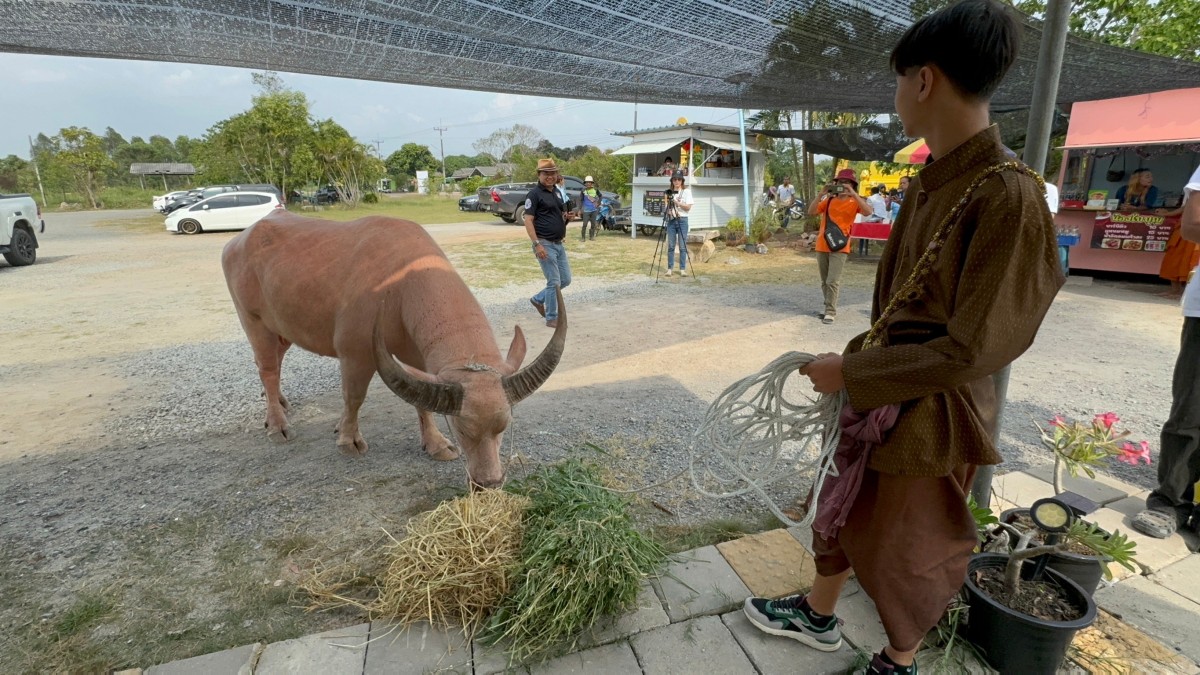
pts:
pixel 650 147
pixel 725 145
pixel 1163 117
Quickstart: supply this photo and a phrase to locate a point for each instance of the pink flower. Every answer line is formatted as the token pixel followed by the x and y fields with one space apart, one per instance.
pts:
pixel 1107 420
pixel 1059 422
pixel 1130 453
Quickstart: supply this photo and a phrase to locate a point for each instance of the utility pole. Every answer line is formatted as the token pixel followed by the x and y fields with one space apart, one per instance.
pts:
pixel 37 172
pixel 378 147
pixel 442 150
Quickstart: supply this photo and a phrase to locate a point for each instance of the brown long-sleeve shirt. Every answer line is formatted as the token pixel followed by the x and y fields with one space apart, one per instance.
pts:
pixel 979 309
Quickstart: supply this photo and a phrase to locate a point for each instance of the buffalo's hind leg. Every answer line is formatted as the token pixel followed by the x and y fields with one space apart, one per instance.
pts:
pixel 269 349
pixel 356 378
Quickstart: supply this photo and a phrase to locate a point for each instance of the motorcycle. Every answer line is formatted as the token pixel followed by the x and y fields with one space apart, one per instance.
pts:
pixel 611 218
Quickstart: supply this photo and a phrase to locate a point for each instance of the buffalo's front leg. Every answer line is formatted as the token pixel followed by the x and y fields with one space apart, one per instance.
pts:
pixel 356 378
pixel 437 445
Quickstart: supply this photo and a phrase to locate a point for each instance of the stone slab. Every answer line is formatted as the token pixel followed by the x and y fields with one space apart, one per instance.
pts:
pixel 860 621
pixel 229 661
pixel 803 535
pixel 614 659
pixel 646 614
pixel 774 654
pixel 1155 610
pixel 1020 488
pixel 1182 577
pixel 1153 554
pixel 1102 489
pixel 701 582
pixel 771 564
pixel 701 645
pixel 335 651
pixel 1110 647
pixel 489 660
pixel 420 648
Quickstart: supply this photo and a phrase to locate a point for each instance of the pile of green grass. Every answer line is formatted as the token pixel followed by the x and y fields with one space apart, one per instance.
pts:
pixel 581 559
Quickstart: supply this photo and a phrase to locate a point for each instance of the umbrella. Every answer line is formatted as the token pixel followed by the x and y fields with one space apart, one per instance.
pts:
pixel 914 153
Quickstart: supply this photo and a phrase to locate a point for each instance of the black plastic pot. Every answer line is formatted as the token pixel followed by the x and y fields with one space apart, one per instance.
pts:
pixel 1013 642
pixel 1085 570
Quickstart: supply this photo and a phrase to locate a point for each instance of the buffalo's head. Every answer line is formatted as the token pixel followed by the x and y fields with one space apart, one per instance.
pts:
pixel 476 399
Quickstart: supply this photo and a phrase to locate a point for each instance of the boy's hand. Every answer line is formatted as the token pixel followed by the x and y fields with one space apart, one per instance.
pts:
pixel 825 373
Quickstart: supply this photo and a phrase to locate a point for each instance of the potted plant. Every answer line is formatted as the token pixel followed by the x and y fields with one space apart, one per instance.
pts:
pixel 1022 615
pixel 1077 448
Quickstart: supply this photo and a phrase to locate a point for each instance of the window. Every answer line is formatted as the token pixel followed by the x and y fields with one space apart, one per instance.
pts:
pixel 222 202
pixel 252 200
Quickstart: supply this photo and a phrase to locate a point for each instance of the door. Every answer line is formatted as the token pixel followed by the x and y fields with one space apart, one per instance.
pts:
pixel 250 209
pixel 219 212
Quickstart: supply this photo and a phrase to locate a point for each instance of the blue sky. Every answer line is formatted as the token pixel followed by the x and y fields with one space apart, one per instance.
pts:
pixel 139 98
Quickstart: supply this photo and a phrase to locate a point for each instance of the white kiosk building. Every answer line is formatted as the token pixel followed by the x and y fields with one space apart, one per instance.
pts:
pixel 710 157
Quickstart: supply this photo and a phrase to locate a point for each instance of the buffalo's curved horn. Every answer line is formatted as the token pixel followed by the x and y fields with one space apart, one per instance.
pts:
pixel 425 394
pixel 525 381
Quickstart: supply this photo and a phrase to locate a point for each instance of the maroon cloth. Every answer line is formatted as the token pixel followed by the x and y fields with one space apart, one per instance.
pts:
pixel 859 432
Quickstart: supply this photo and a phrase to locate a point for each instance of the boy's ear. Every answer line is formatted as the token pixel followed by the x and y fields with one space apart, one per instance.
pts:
pixel 925 83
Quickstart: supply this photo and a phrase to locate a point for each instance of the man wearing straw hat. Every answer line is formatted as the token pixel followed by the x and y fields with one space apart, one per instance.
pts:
pixel 546 226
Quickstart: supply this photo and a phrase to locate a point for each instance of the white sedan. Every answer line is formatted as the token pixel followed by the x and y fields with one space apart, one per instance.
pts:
pixel 228 211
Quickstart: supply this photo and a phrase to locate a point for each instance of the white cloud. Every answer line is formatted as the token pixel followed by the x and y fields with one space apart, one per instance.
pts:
pixel 40 75
pixel 231 79
pixel 560 107
pixel 504 102
pixel 178 79
pixel 415 117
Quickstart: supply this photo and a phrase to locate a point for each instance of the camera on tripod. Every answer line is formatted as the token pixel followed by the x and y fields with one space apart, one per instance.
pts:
pixel 669 195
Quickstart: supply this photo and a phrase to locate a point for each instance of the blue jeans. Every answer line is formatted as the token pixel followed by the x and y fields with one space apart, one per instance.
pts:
pixel 677 229
pixel 558 275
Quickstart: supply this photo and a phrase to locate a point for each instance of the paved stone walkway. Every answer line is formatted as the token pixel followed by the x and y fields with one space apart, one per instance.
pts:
pixel 690 620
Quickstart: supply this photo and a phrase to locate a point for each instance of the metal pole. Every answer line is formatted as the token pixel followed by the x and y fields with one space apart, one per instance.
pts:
pixel 37 172
pixel 745 172
pixel 1037 147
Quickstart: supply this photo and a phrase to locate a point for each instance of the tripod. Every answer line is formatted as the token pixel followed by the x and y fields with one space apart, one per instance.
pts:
pixel 655 270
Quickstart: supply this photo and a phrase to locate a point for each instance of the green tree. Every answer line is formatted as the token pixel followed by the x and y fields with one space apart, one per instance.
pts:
pixel 1165 27
pixel 344 162
pixel 411 158
pixel 11 168
pixel 82 158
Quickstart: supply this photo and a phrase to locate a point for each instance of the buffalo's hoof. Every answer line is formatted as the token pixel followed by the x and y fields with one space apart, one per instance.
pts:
pixel 444 454
pixel 280 434
pixel 356 449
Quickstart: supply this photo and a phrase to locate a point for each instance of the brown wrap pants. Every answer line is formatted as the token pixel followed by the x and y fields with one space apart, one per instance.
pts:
pixel 908 539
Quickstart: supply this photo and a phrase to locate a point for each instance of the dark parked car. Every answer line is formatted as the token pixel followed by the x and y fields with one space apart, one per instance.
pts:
pixel 327 195
pixel 507 201
pixel 469 203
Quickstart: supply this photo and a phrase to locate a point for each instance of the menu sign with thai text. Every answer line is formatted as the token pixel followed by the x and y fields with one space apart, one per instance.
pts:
pixel 1117 231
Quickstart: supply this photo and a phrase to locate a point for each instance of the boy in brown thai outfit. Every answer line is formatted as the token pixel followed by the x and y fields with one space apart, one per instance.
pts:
pixel 967 277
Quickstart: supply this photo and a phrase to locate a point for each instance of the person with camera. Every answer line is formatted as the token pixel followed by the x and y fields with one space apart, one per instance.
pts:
pixel 679 203
pixel 546 216
pixel 838 203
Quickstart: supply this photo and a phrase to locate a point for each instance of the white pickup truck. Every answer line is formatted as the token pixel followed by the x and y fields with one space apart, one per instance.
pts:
pixel 20 221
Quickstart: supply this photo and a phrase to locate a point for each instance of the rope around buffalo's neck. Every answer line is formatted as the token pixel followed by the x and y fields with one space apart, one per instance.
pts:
pixel 753 438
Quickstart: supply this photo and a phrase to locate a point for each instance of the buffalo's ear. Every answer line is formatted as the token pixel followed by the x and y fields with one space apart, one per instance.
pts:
pixel 516 350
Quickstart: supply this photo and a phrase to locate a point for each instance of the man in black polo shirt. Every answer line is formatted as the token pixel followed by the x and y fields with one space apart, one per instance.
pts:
pixel 546 225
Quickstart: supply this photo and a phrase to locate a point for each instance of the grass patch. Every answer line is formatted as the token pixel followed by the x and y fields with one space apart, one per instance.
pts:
pixel 85 613
pixel 680 538
pixel 148 224
pixel 423 209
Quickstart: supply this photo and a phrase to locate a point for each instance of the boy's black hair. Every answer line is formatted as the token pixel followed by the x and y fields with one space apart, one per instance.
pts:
pixel 974 42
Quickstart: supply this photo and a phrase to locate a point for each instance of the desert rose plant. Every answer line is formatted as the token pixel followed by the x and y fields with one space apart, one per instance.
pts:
pixel 1080 446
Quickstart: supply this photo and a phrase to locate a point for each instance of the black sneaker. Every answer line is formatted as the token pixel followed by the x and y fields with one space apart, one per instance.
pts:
pixel 784 617
pixel 880 667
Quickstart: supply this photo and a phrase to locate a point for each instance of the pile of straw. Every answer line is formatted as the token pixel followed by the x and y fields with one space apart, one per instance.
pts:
pixel 452 568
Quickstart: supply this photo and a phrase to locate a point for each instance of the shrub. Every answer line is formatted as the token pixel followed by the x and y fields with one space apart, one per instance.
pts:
pixel 370 198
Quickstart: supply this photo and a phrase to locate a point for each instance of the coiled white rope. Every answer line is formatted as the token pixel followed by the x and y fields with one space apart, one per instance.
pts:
pixel 753 438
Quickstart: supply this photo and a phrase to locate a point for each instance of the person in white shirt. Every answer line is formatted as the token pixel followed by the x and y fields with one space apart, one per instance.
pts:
pixel 785 197
pixel 1171 505
pixel 879 207
pixel 679 204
